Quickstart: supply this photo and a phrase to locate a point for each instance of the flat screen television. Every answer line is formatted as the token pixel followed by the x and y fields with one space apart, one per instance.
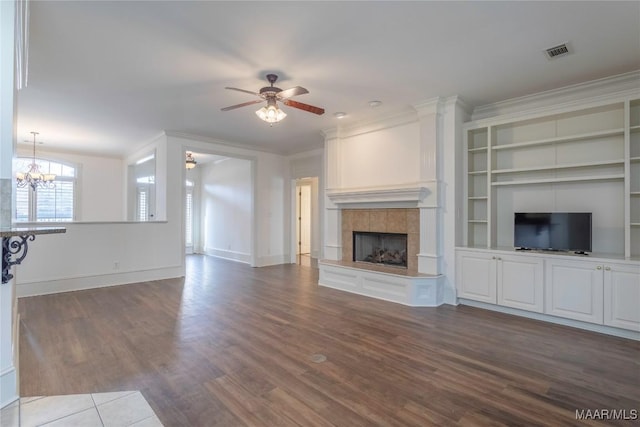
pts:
pixel 554 231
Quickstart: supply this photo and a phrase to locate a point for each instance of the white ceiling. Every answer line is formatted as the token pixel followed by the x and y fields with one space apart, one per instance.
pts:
pixel 107 76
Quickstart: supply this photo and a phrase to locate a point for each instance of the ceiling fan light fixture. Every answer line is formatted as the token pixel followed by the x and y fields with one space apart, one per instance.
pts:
pixel 271 114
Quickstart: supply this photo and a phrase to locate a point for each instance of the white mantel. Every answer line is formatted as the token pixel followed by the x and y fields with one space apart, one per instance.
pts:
pixel 418 194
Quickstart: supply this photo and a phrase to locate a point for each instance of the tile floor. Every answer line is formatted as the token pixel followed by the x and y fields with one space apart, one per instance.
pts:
pixel 121 409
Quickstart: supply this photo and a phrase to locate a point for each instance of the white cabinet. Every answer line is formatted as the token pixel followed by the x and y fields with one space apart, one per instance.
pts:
pixel 589 290
pixel 476 276
pixel 574 290
pixel 622 296
pixel 520 281
pixel 509 280
pixel 594 291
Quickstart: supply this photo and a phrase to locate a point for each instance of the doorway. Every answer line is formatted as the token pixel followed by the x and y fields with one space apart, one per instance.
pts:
pixel 219 200
pixel 305 218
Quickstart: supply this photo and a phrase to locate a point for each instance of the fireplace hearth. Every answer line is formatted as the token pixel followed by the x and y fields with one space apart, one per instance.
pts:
pixel 380 248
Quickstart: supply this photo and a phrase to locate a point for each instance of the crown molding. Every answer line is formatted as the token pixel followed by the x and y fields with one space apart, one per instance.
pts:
pixel 374 124
pixel 306 154
pixel 429 107
pixel 564 97
pixel 210 140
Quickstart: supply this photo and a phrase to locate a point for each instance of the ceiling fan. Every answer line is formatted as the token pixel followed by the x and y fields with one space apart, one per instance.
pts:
pixel 271 113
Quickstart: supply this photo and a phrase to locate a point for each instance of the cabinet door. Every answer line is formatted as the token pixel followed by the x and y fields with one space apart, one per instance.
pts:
pixel 622 296
pixel 574 290
pixel 476 276
pixel 520 282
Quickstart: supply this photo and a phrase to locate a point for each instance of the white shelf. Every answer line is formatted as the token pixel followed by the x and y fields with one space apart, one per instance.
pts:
pixel 564 166
pixel 633 193
pixel 477 150
pixel 563 179
pixel 634 159
pixel 635 128
pixel 485 197
pixel 583 136
pixel 477 173
pixel 477 221
pixel 635 224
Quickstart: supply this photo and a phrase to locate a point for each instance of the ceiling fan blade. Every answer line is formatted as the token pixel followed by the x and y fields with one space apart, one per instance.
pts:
pixel 242 90
pixel 244 104
pixel 294 91
pixel 305 107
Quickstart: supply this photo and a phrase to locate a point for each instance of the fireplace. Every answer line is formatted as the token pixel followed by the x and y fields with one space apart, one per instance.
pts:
pixel 380 248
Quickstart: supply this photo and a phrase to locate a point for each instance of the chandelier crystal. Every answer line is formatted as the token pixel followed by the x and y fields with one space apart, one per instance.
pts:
pixel 33 177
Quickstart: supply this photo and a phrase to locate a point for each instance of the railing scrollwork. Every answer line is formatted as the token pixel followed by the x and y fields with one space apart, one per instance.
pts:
pixel 14 250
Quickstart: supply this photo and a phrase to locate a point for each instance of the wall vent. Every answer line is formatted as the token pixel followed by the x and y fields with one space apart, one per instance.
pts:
pixel 556 51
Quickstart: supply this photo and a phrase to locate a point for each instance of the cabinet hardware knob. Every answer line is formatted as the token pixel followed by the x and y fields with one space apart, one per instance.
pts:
pixel 499 259
pixel 608 268
pixel 599 267
pixel 493 257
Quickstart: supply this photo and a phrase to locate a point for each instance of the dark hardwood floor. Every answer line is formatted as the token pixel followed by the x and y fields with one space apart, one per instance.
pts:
pixel 231 345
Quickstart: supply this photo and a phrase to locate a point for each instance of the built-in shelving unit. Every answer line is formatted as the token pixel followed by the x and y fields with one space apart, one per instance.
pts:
pixel 580 159
pixel 570 151
pixel 633 181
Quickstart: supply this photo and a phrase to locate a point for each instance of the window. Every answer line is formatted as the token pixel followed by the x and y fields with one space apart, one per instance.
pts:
pixel 143 198
pixel 47 204
pixel 188 207
pixel 143 204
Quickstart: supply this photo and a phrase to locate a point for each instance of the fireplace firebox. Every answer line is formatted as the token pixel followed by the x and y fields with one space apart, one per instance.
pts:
pixel 380 248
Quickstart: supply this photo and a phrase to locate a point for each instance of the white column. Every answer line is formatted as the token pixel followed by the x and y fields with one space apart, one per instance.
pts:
pixel 332 218
pixel 430 255
pixel 454 115
pixel 8 321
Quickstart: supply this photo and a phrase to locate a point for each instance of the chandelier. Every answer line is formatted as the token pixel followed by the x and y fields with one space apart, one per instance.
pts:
pixel 33 177
pixel 190 163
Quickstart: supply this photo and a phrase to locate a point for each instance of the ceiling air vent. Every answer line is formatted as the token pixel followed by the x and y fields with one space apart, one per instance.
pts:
pixel 556 51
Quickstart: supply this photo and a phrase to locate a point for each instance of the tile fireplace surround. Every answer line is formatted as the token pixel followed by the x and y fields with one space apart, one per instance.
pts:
pixel 406 286
pixel 402 220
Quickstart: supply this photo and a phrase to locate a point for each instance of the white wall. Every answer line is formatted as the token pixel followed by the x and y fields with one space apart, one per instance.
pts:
pixel 226 193
pixel 380 158
pixel 92 255
pixel 100 182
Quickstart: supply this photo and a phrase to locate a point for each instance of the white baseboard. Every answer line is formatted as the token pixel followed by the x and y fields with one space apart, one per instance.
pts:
pixel 623 333
pixel 265 261
pixel 98 281
pixel 8 386
pixel 230 255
